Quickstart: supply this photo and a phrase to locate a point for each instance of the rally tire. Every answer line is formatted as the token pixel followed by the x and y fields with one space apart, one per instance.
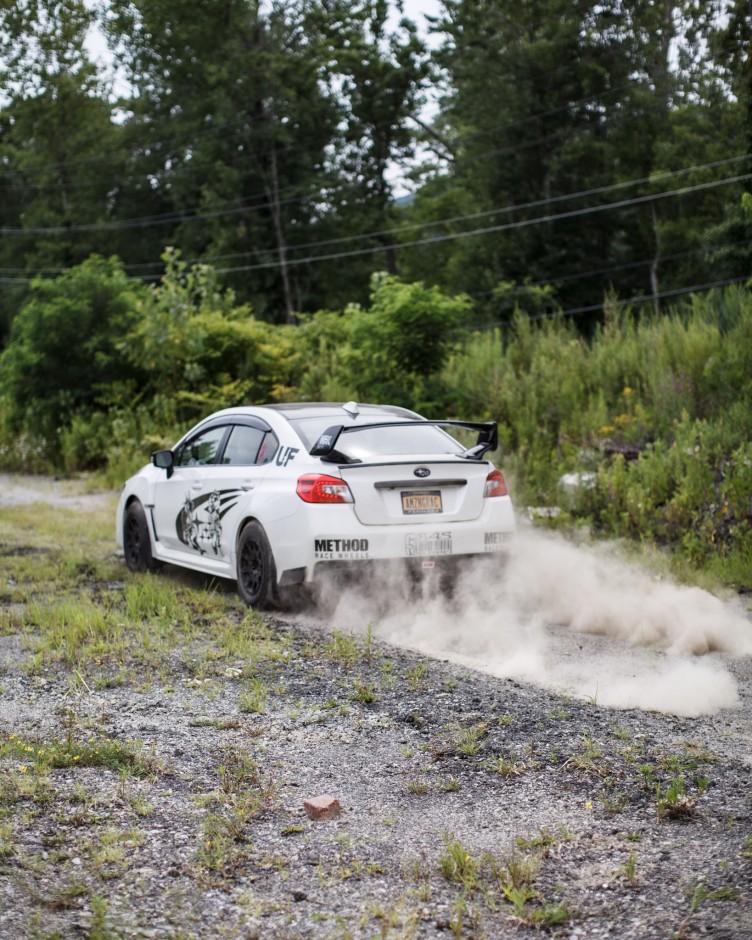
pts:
pixel 257 573
pixel 136 541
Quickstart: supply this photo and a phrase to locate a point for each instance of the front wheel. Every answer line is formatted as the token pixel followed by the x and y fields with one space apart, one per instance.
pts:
pixel 136 541
pixel 257 574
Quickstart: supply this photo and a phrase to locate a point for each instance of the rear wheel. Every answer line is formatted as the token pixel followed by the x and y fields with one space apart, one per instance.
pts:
pixel 136 541
pixel 257 574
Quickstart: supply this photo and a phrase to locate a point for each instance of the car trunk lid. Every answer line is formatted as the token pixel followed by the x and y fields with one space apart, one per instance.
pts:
pixel 415 492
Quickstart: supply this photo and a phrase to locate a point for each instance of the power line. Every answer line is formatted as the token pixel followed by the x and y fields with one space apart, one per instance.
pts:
pixel 148 221
pixel 440 238
pixel 491 229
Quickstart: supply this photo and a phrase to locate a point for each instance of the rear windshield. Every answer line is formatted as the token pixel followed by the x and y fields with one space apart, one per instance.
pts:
pixel 377 442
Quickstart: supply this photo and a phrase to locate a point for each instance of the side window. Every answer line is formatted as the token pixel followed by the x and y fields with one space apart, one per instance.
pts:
pixel 268 448
pixel 243 446
pixel 202 449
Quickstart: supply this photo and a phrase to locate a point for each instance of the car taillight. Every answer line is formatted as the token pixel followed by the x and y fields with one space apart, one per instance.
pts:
pixel 321 488
pixel 495 484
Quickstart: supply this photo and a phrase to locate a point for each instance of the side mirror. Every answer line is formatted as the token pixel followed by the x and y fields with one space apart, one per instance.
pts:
pixel 165 460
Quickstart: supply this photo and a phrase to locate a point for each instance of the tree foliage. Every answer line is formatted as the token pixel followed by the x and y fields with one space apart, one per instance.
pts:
pixel 65 353
pixel 569 147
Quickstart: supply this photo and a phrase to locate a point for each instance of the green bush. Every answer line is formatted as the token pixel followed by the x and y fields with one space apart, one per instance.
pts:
pixel 63 357
pixel 657 408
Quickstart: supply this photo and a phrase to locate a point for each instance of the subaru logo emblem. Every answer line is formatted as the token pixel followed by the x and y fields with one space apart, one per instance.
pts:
pixel 422 472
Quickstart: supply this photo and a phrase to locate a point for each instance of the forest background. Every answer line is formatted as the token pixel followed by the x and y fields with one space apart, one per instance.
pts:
pixel 532 211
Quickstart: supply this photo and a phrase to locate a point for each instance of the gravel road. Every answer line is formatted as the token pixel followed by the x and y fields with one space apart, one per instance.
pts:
pixel 473 803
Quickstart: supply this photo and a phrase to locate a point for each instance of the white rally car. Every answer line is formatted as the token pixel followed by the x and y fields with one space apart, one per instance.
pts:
pixel 272 495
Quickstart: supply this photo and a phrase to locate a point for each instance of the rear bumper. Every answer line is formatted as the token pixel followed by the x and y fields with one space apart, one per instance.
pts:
pixel 325 540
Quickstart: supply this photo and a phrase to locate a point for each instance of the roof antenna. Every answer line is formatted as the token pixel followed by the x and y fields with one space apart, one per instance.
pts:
pixel 352 409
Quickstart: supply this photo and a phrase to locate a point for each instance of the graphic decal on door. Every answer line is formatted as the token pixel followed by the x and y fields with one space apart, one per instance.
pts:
pixel 199 522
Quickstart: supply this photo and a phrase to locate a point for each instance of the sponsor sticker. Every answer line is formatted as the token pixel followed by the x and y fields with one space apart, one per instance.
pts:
pixel 429 543
pixel 493 541
pixel 285 455
pixel 339 549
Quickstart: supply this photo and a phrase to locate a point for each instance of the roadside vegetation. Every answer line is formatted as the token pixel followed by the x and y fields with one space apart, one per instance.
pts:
pixel 648 420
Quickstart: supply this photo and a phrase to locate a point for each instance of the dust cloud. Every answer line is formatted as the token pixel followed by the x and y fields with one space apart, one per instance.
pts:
pixel 574 619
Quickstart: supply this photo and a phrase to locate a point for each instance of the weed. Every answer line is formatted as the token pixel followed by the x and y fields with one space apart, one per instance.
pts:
pixel 363 692
pixel 6 839
pixel 253 699
pixel 417 786
pixel 505 766
pixel 464 740
pixel 628 870
pixel 223 842
pixel 416 675
pixel 221 724
pixel 342 649
pixel 94 752
pixel 700 894
pixel 587 761
pixel 648 776
pixel 140 805
pixel 515 870
pixel 542 916
pixel 545 842
pixel 457 865
pixel 674 802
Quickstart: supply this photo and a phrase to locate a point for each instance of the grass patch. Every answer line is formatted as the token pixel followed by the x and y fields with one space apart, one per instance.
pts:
pixel 131 758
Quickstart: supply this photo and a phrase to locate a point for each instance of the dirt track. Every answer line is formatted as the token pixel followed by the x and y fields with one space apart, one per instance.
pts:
pixel 472 805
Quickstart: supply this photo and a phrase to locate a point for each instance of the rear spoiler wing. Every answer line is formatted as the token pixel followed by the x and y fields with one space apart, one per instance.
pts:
pixel 488 437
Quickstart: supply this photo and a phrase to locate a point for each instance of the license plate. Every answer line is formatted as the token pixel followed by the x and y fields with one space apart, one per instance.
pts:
pixel 421 501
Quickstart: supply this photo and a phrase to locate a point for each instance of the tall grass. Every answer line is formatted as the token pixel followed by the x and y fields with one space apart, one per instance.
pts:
pixel 656 408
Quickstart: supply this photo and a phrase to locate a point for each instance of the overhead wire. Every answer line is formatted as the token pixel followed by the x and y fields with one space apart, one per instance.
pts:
pixel 507 226
pixel 491 229
pixel 395 231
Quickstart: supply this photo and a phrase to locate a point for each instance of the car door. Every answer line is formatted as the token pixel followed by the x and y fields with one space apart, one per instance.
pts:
pixel 245 459
pixel 180 503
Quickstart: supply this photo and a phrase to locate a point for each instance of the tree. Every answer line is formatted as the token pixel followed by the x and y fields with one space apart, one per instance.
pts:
pixel 233 126
pixel 381 75
pixel 570 128
pixel 201 349
pixel 391 351
pixel 64 357
pixel 59 148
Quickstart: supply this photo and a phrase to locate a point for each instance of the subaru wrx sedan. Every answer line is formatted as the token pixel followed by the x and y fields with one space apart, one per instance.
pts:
pixel 272 496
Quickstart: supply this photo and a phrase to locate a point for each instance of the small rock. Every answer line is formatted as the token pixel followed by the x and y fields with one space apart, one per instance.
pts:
pixel 322 807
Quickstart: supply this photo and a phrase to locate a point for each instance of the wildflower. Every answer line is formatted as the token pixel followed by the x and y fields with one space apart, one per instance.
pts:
pixel 22 768
pixel 588 805
pixel 77 757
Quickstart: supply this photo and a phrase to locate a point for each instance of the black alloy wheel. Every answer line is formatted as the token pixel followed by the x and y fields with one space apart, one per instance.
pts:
pixel 257 575
pixel 136 541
